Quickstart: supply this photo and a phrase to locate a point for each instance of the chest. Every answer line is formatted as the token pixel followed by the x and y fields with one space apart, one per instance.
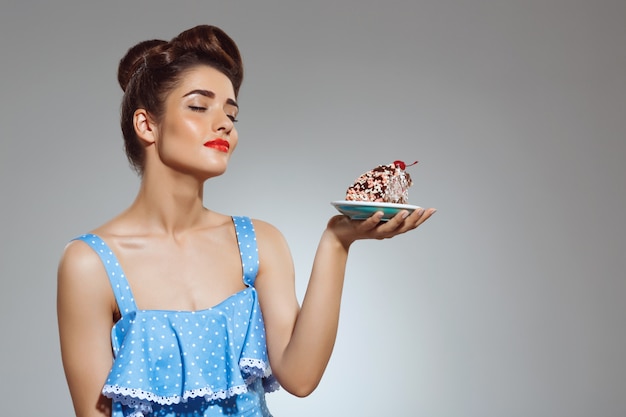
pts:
pixel 189 276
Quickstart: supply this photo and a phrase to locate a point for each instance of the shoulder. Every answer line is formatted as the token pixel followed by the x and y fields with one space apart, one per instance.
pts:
pixel 80 268
pixel 267 232
pixel 77 255
pixel 272 245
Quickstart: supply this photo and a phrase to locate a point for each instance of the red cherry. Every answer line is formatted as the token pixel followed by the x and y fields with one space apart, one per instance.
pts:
pixel 402 165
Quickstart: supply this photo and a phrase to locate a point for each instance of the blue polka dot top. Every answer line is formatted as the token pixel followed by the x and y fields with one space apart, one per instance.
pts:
pixel 210 362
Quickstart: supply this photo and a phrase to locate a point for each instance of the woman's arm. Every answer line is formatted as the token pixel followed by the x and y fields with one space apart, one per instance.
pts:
pixel 85 305
pixel 300 340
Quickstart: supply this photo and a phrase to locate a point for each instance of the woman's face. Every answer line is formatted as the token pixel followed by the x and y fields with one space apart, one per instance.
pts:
pixel 197 133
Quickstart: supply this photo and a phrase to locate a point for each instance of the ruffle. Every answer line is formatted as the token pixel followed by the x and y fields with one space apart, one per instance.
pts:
pixel 141 399
pixel 133 396
pixel 258 369
pixel 137 407
pixel 164 358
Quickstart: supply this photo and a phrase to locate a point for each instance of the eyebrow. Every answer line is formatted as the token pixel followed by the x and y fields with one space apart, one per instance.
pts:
pixel 211 94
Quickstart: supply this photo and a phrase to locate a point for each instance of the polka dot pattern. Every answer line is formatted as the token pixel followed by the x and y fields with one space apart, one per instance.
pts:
pixel 213 361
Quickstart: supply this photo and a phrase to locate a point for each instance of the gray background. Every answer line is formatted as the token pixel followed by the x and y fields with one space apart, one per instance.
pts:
pixel 508 302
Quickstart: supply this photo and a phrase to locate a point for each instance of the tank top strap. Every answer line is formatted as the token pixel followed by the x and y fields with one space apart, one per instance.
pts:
pixel 246 238
pixel 121 289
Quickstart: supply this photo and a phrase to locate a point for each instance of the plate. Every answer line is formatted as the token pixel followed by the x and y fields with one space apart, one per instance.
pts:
pixel 361 210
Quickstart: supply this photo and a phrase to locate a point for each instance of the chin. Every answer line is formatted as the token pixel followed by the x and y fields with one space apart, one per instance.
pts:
pixel 215 172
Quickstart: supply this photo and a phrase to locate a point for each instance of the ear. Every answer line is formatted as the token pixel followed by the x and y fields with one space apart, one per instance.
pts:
pixel 145 127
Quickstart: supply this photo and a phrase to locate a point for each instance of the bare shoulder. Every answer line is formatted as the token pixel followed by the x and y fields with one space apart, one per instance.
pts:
pixel 274 252
pixel 264 228
pixel 269 237
pixel 81 271
pixel 77 256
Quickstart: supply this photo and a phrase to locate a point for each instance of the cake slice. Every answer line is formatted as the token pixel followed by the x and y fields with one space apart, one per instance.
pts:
pixel 383 184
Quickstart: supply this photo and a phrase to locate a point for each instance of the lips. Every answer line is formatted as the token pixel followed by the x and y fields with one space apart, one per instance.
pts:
pixel 218 144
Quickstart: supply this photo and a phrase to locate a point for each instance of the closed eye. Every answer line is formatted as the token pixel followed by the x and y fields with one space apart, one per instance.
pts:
pixel 197 108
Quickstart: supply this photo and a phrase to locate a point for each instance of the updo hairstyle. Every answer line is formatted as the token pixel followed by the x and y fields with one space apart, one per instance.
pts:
pixel 151 69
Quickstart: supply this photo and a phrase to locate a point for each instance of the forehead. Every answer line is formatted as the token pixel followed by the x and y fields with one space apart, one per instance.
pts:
pixel 204 77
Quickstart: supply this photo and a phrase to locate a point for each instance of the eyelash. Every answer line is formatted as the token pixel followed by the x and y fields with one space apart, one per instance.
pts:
pixel 201 109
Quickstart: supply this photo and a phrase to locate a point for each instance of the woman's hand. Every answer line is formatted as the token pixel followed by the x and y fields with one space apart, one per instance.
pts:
pixel 347 231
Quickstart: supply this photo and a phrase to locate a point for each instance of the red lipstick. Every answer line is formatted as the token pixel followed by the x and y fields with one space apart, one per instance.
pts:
pixel 218 144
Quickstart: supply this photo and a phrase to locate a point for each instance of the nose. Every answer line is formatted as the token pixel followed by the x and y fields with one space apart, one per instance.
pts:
pixel 222 122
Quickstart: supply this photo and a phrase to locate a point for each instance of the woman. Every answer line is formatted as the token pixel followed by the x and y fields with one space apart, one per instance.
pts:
pixel 191 336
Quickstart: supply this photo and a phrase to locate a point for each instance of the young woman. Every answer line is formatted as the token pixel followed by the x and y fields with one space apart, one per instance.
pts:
pixel 172 309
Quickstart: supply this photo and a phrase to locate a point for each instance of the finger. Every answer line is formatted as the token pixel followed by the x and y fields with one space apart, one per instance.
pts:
pixel 412 221
pixel 394 224
pixel 372 221
pixel 425 215
pixel 413 218
pixel 398 219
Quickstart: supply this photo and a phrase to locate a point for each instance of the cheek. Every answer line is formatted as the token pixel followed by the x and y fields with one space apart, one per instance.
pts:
pixel 176 139
pixel 181 133
pixel 187 128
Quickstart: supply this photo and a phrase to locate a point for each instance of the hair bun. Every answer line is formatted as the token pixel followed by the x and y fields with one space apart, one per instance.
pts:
pixel 214 46
pixel 134 59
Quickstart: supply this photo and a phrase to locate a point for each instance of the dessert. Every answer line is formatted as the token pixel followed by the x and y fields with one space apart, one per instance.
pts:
pixel 383 184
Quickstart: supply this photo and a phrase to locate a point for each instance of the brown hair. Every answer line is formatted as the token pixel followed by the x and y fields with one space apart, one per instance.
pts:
pixel 153 68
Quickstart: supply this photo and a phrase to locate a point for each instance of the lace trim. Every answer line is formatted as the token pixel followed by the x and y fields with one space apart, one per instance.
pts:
pixel 141 399
pixel 254 367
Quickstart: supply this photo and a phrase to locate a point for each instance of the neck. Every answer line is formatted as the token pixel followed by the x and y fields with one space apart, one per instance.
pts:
pixel 169 204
